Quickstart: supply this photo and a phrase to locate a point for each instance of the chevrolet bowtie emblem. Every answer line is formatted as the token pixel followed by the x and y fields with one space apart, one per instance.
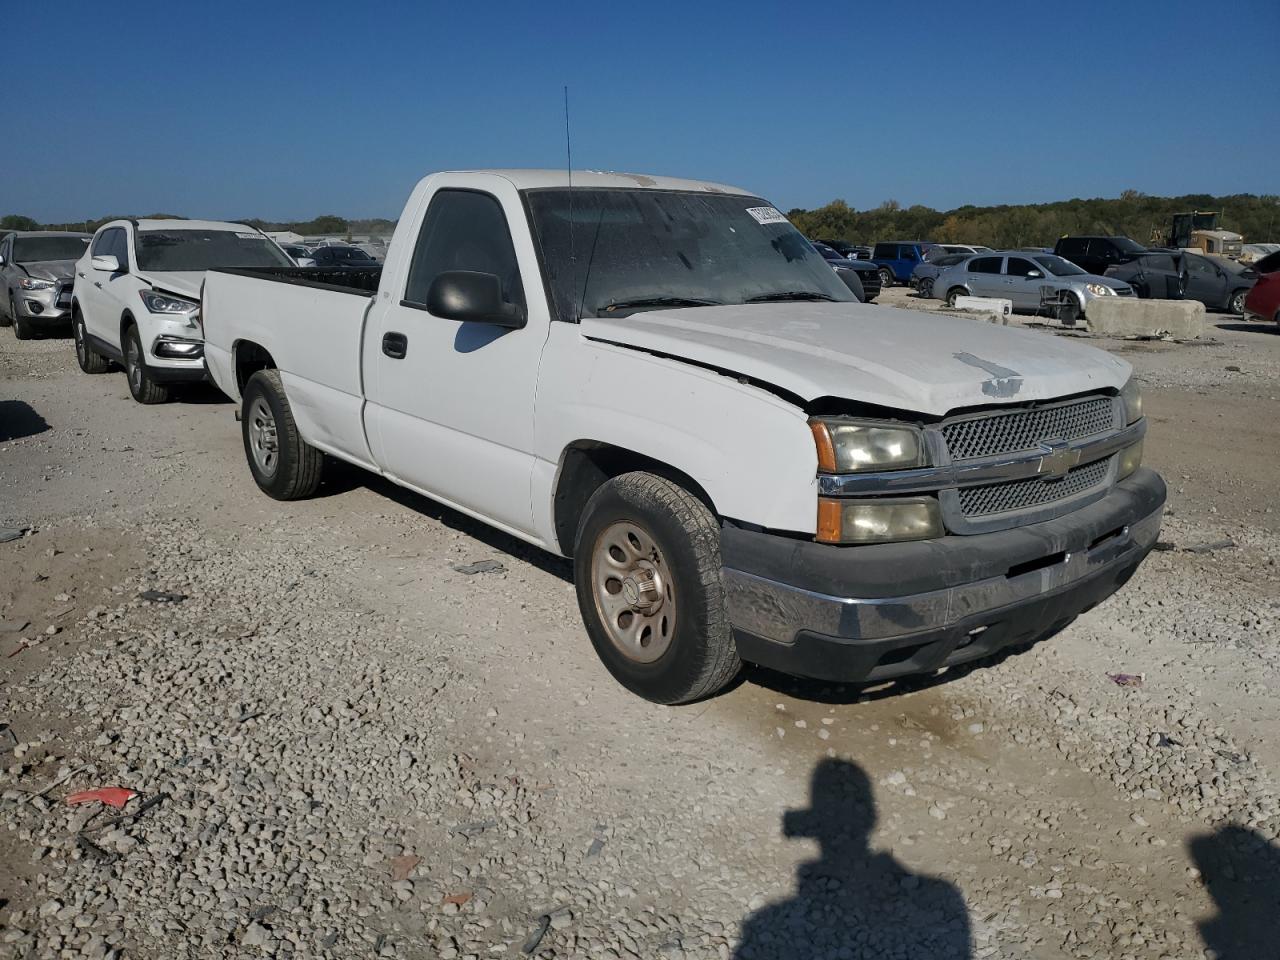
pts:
pixel 1058 458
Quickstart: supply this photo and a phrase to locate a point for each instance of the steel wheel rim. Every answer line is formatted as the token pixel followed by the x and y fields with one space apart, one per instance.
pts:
pixel 134 363
pixel 263 440
pixel 1237 303
pixel 634 592
pixel 886 278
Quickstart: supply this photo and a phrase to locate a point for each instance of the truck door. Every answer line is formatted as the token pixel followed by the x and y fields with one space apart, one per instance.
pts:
pixel 102 295
pixel 1206 281
pixel 450 407
pixel 1022 280
pixel 984 277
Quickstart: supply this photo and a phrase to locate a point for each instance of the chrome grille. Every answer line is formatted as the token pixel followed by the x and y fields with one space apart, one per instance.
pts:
pixel 1032 492
pixel 992 434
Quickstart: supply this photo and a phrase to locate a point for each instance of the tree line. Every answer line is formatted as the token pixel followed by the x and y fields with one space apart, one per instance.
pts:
pixel 1132 214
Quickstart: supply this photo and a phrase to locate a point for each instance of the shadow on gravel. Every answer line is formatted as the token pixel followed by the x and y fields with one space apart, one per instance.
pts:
pixel 18 420
pixel 854 901
pixel 342 477
pixel 1241 870
pixel 1260 327
pixel 824 691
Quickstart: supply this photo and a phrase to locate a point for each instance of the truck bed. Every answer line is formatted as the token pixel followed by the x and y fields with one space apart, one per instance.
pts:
pixel 310 320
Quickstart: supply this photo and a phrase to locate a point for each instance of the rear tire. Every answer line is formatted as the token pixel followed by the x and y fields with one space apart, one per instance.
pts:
pixel 283 465
pixel 886 278
pixel 925 288
pixel 647 573
pixel 1236 303
pixel 142 385
pixel 89 361
pixel 953 293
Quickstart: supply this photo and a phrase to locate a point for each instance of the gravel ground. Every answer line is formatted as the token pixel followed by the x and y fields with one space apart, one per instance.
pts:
pixel 344 747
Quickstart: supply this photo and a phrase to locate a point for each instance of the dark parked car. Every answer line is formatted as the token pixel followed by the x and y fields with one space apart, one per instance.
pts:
pixel 860 276
pixel 896 260
pixel 925 273
pixel 1268 264
pixel 342 256
pixel 1216 282
pixel 847 249
pixel 1096 254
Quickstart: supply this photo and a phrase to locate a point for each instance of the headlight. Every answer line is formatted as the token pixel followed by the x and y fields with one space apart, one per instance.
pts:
pixel 1130 460
pixel 163 303
pixel 1100 289
pixel 847 446
pixel 878 521
pixel 1132 397
pixel 31 283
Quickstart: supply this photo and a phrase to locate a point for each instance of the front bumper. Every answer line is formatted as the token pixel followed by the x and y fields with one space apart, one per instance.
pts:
pixel 872 613
pixel 51 305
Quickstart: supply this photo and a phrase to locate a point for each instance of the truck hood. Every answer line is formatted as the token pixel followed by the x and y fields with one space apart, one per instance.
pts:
pixel 900 359
pixel 186 283
pixel 50 269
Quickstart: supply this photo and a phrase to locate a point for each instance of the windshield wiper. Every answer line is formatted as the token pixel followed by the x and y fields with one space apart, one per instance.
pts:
pixel 784 295
pixel 654 302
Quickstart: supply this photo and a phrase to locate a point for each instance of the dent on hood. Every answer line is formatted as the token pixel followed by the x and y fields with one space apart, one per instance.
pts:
pixel 1004 382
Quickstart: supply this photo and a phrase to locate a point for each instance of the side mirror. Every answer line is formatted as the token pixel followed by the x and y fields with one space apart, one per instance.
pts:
pixel 1034 274
pixel 472 297
pixel 106 263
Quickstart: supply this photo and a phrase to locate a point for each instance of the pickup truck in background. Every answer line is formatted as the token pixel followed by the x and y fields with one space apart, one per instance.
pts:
pixel 663 380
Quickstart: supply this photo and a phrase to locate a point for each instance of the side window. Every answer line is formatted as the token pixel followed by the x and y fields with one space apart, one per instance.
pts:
pixel 886 251
pixel 1103 250
pixel 1196 265
pixel 985 265
pixel 120 247
pixel 908 252
pixel 101 242
pixel 1018 267
pixel 464 230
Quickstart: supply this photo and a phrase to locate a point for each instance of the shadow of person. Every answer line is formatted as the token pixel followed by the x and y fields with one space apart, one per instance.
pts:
pixel 854 902
pixel 1241 870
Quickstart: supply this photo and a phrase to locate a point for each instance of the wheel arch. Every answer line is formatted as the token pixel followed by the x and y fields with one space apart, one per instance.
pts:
pixel 586 465
pixel 127 320
pixel 248 357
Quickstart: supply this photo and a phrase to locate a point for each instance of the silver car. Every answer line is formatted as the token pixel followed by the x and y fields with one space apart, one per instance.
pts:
pixel 1035 283
pixel 36 269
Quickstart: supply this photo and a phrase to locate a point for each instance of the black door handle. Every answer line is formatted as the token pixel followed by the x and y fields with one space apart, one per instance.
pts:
pixel 395 345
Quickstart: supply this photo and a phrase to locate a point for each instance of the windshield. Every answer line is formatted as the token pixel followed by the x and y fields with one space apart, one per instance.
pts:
pixel 1059 267
pixel 35 249
pixel 164 250
pixel 1158 261
pixel 602 249
pixel 354 254
pixel 1125 245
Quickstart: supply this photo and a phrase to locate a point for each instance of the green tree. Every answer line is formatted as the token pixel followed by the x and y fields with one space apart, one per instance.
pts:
pixel 15 221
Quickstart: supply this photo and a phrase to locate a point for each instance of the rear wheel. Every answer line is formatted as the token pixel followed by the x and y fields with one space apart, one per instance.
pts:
pixel 925 288
pixel 142 384
pixel 647 574
pixel 953 293
pixel 1236 304
pixel 284 465
pixel 886 278
pixel 89 361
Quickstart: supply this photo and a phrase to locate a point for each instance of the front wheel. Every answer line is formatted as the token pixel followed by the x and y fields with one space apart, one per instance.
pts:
pixel 1236 304
pixel 21 328
pixel 89 361
pixel 886 278
pixel 647 573
pixel 284 465
pixel 142 385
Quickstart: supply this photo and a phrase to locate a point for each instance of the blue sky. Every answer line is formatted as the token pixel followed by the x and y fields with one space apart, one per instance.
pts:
pixel 288 110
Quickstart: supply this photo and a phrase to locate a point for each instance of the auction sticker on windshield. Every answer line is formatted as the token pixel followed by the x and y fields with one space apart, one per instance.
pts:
pixel 766 215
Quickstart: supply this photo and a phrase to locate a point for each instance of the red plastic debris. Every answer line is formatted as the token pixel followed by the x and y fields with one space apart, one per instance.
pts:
pixel 1127 679
pixel 401 867
pixel 458 898
pixel 112 796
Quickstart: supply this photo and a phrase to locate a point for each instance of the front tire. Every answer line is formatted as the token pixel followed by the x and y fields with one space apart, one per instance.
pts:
pixel 283 465
pixel 925 288
pixel 886 278
pixel 1236 304
pixel 142 385
pixel 21 328
pixel 647 574
pixel 89 361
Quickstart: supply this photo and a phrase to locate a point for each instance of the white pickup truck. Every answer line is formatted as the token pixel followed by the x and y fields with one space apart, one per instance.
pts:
pixel 664 381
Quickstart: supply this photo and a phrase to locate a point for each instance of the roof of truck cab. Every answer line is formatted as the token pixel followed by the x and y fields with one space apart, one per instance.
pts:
pixel 192 225
pixel 536 179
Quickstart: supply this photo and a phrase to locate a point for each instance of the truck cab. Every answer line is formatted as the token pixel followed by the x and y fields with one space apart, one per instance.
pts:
pixel 664 381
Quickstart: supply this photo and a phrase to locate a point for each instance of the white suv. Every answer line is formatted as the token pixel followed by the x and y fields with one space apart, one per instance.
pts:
pixel 137 292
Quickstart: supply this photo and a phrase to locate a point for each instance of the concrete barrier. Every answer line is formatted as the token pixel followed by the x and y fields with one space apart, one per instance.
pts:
pixel 1131 317
pixel 990 309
